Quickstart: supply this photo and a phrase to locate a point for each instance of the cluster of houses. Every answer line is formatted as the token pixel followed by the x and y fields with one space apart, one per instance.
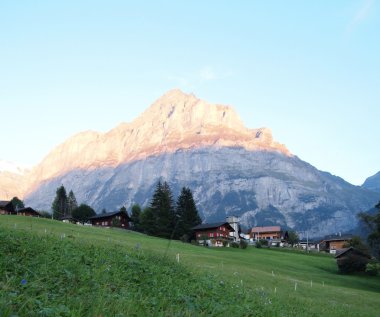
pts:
pixel 212 234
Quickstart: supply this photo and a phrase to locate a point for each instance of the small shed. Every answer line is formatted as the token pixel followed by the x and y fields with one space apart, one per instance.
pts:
pixel 6 208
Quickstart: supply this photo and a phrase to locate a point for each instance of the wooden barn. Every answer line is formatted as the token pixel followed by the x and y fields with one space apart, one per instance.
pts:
pixel 111 219
pixel 28 211
pixel 6 208
pixel 333 243
pixel 213 234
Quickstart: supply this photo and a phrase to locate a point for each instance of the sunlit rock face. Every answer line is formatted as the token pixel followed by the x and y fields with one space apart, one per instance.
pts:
pixel 12 180
pixel 232 170
pixel 175 121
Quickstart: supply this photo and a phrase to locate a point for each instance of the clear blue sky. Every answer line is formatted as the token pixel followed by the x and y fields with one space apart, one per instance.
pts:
pixel 309 70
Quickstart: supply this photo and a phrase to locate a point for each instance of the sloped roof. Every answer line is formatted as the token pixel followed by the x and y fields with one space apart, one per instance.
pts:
pixel 108 214
pixel 341 252
pixel 266 229
pixel 214 225
pixel 4 203
pixel 30 209
pixel 344 237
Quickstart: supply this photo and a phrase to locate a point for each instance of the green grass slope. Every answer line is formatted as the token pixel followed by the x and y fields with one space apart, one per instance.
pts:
pixel 48 268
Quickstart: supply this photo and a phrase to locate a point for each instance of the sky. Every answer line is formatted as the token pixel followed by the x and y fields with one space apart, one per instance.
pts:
pixel 309 70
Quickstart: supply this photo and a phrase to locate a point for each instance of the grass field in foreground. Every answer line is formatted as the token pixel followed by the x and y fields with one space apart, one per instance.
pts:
pixel 207 281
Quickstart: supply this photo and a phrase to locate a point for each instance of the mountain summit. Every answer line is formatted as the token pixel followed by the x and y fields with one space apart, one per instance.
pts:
pixel 175 121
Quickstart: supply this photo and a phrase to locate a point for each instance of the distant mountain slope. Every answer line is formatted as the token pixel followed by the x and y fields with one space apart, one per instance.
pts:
pixel 373 182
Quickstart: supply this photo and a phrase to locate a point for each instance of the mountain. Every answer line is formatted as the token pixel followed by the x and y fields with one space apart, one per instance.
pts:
pixel 373 182
pixel 232 170
pixel 12 177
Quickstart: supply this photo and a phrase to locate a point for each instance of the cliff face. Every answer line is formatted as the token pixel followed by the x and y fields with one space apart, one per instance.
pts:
pixel 231 170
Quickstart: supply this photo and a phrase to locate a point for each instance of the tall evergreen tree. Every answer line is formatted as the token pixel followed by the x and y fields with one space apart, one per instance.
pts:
pixel 71 203
pixel 162 207
pixel 148 222
pixel 135 217
pixel 187 214
pixel 123 209
pixel 60 205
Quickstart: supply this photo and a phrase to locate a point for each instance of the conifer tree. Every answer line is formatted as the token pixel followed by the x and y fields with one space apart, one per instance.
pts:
pixel 60 205
pixel 17 203
pixel 187 214
pixel 148 222
pixel 135 217
pixel 71 203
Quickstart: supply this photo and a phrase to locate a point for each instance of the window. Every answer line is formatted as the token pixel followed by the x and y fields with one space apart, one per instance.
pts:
pixel 211 234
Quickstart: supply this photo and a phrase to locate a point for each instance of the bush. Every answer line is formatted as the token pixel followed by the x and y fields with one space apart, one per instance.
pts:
pixel 372 268
pixel 259 245
pixel 225 243
pixel 264 242
pixel 234 244
pixel 243 244
pixel 194 242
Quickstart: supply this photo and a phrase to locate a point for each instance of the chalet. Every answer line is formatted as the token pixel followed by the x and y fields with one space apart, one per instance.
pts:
pixel 68 219
pixel 28 211
pixel 111 219
pixel 267 233
pixel 6 208
pixel 213 234
pixel 333 243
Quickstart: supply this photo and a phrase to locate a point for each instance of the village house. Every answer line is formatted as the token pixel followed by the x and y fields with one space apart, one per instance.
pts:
pixel 112 219
pixel 213 234
pixel 28 211
pixel 6 208
pixel 266 233
pixel 333 243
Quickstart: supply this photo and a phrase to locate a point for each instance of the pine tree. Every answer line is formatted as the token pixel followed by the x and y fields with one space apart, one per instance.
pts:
pixel 148 222
pixel 135 217
pixel 163 213
pixel 60 205
pixel 71 203
pixel 187 214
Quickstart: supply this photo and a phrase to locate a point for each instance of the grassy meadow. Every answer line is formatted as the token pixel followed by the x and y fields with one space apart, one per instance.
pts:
pixel 49 268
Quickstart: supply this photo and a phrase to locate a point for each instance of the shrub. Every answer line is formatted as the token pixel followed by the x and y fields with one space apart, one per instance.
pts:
pixel 234 244
pixel 264 242
pixel 259 245
pixel 372 268
pixel 194 242
pixel 225 243
pixel 243 244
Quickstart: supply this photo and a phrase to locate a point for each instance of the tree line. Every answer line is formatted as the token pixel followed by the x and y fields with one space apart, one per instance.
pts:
pixel 166 218
pixel 163 217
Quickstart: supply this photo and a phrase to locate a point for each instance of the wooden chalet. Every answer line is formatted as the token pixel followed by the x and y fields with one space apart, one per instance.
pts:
pixel 213 234
pixel 28 211
pixel 266 233
pixel 333 243
pixel 345 255
pixel 111 219
pixel 6 208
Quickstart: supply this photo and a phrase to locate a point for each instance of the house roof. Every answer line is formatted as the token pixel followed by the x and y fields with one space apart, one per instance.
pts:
pixel 343 251
pixel 266 229
pixel 334 237
pixel 214 225
pixel 108 214
pixel 4 203
pixel 30 209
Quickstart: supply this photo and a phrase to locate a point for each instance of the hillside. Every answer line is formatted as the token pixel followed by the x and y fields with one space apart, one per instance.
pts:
pixel 97 271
